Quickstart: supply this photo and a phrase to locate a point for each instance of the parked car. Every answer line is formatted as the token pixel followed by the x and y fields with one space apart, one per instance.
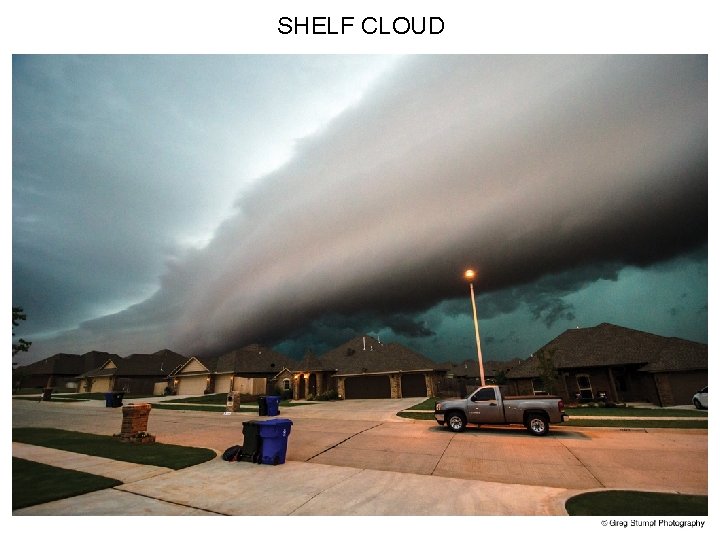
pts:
pixel 700 399
pixel 488 406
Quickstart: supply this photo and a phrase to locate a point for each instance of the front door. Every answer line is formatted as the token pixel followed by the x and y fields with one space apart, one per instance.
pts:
pixel 585 391
pixel 483 408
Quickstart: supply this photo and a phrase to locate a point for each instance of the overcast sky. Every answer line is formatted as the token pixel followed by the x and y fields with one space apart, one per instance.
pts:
pixel 201 203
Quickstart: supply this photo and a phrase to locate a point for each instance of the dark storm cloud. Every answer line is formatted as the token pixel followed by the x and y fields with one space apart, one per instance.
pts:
pixel 522 167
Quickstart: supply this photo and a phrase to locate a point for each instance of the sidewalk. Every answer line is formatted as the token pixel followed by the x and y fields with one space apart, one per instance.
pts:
pixel 241 489
pixel 359 458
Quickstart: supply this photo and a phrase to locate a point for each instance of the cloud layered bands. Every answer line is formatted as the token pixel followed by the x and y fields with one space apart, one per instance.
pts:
pixel 520 166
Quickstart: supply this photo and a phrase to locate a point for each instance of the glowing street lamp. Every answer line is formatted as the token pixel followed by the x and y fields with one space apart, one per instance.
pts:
pixel 470 277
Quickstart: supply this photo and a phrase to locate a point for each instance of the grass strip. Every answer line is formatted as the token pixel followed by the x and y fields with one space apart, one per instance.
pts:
pixel 633 411
pixel 163 455
pixel 193 407
pixel 36 483
pixel 676 424
pixel 636 503
pixel 54 398
pixel 221 399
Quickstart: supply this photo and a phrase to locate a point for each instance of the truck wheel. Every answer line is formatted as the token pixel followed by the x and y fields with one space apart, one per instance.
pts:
pixel 537 425
pixel 456 421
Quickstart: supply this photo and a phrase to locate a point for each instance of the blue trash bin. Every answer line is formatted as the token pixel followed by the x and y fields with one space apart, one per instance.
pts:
pixel 273 405
pixel 114 399
pixel 273 436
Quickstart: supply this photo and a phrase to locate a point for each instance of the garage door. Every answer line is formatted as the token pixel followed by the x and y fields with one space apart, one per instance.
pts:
pixel 192 386
pixel 367 387
pixel 101 384
pixel 222 383
pixel 413 385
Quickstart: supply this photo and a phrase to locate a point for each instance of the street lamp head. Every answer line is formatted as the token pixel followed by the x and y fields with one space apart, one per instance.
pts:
pixel 469 274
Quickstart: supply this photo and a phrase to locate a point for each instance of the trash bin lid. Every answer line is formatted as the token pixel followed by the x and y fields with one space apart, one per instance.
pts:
pixel 275 422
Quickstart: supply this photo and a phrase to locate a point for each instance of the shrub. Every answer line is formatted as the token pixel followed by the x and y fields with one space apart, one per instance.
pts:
pixel 329 395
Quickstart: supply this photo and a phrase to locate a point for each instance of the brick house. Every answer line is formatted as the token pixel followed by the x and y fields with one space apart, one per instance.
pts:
pixel 254 369
pixel 622 364
pixel 135 374
pixel 366 368
pixel 59 371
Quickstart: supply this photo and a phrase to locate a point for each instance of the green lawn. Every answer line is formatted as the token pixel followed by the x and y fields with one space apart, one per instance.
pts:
pixel 162 455
pixel 633 411
pixel 636 503
pixel 207 399
pixel 54 398
pixel 250 402
pixel 198 407
pixel 427 405
pixel 35 483
pixel 659 423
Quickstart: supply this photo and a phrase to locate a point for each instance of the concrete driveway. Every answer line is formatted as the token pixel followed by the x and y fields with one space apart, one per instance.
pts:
pixel 357 457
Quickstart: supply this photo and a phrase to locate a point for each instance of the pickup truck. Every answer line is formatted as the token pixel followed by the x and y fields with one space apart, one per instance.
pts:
pixel 486 405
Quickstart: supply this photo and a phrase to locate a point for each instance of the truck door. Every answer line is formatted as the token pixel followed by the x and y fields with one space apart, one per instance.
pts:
pixel 483 408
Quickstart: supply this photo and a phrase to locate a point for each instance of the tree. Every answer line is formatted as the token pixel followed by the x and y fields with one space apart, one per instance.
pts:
pixel 548 374
pixel 21 345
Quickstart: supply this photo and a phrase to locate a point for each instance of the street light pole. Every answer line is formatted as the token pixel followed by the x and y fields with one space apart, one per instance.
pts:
pixel 470 276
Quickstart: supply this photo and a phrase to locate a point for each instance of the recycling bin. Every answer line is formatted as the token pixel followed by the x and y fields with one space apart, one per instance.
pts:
pixel 251 442
pixel 262 406
pixel 273 405
pixel 114 399
pixel 273 438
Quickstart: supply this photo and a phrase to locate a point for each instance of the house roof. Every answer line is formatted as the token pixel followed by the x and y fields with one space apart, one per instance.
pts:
pixel 471 369
pixel 612 345
pixel 253 359
pixel 68 364
pixel 163 363
pixel 365 354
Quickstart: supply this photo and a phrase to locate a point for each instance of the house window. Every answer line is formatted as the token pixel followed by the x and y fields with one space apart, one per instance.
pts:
pixel 286 384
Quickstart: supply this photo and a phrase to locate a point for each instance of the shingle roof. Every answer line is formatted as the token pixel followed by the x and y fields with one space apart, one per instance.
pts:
pixel 69 364
pixel 524 369
pixel 365 354
pixel 253 359
pixel 471 368
pixel 164 362
pixel 610 345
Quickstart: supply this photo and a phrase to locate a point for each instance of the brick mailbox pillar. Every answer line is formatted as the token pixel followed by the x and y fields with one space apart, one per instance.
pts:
pixel 134 424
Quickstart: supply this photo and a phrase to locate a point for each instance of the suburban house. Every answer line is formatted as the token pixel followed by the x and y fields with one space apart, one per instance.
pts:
pixel 366 368
pixel 135 374
pixel 463 377
pixel 615 363
pixel 254 370
pixel 59 371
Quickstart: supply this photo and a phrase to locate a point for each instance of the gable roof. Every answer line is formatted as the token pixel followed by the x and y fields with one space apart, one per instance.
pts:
pixel 611 345
pixel 164 362
pixel 68 364
pixel 365 354
pixel 253 358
